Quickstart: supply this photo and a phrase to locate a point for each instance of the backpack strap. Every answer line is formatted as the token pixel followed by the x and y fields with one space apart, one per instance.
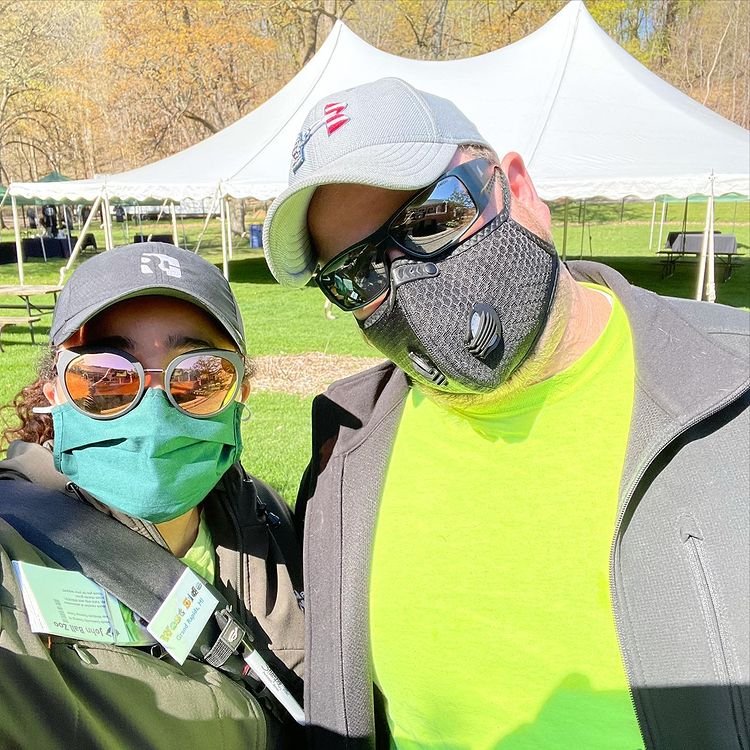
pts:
pixel 78 537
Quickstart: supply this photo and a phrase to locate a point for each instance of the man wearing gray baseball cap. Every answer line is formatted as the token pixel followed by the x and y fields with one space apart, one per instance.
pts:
pixel 515 532
pixel 136 414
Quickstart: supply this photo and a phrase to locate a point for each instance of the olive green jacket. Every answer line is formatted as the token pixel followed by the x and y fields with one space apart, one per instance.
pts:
pixel 62 693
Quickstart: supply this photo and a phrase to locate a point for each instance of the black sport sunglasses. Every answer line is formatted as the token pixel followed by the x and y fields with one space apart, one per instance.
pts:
pixel 430 223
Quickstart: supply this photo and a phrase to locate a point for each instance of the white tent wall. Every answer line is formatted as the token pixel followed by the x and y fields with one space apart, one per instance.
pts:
pixel 588 118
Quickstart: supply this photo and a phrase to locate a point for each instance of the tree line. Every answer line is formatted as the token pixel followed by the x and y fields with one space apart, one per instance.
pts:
pixel 98 86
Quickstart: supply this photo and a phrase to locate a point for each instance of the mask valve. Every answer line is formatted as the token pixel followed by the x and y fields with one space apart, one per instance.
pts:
pixel 484 332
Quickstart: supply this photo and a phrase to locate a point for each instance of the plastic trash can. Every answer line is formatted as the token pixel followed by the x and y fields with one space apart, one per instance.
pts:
pixel 256 235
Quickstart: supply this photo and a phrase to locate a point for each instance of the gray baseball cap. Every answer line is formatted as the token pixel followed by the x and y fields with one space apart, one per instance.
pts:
pixel 142 269
pixel 386 134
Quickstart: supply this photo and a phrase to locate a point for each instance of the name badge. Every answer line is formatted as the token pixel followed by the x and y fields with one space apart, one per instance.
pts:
pixel 182 616
pixel 66 603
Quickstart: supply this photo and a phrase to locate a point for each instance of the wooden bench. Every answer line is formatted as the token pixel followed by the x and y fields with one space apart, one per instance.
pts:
pixel 11 320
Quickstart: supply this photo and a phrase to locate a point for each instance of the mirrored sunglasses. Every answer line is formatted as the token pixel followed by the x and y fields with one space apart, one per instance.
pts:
pixel 108 384
pixel 430 223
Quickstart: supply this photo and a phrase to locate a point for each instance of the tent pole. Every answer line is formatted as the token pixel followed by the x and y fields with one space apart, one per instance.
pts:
pixel 175 238
pixel 108 221
pixel 107 227
pixel 79 241
pixel 703 255
pixel 104 224
pixel 565 232
pixel 653 221
pixel 230 240
pixel 158 218
pixel 583 231
pixel 661 225
pixel 68 227
pixel 205 223
pixel 684 216
pixel 17 233
pixel 225 262
pixel 710 260
pixel 5 198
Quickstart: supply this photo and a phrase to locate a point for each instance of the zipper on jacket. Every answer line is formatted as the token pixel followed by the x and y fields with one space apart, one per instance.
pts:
pixel 691 538
pixel 83 654
pixel 621 514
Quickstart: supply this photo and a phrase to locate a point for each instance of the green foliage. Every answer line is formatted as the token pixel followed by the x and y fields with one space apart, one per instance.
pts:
pixel 276 440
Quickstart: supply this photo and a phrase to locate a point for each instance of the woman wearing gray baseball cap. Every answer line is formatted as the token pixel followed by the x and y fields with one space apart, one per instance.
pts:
pixel 136 414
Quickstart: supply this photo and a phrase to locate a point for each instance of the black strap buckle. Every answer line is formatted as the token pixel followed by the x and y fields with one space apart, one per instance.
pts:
pixel 230 639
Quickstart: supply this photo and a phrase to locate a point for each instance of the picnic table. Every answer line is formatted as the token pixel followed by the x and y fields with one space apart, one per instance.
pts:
pixel 34 310
pixel 682 244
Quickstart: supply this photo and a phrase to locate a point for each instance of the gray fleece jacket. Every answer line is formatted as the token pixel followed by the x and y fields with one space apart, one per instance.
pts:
pixel 680 562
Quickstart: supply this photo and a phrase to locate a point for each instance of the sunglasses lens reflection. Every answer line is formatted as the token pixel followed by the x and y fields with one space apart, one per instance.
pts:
pixel 359 277
pixel 102 384
pixel 436 219
pixel 203 384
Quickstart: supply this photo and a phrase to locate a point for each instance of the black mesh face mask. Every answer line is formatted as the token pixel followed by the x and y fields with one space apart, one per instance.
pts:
pixel 464 322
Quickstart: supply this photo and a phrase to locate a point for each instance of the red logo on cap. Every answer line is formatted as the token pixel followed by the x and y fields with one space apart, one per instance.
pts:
pixel 334 118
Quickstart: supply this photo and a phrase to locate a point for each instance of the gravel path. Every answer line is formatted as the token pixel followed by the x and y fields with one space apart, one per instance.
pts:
pixel 305 374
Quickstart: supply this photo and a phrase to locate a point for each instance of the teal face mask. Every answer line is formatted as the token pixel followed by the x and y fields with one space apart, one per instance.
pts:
pixel 153 463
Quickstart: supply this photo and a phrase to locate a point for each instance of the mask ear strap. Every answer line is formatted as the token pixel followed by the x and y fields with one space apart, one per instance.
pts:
pixel 41 410
pixel 246 415
pixel 505 213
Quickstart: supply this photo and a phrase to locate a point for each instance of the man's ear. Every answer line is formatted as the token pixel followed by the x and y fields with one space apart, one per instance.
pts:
pixel 519 179
pixel 526 205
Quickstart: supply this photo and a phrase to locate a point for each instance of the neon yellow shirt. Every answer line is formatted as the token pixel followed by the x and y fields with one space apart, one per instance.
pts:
pixel 490 617
pixel 200 557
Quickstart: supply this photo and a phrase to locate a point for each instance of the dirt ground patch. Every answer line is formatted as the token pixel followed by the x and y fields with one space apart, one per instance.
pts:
pixel 305 374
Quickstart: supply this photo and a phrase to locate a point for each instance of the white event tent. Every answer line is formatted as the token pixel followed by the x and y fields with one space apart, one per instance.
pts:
pixel 589 120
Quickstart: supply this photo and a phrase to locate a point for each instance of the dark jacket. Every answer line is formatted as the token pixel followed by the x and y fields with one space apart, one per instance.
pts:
pixel 59 692
pixel 680 560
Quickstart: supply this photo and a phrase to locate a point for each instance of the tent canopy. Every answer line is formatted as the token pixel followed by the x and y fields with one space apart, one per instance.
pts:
pixel 588 119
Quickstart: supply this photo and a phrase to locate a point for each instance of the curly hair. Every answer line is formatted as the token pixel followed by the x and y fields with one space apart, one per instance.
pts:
pixel 33 428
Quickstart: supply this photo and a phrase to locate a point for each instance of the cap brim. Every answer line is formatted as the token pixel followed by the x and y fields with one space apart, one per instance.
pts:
pixel 399 166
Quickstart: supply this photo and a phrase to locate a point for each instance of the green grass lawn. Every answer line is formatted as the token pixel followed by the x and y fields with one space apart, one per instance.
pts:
pixel 278 320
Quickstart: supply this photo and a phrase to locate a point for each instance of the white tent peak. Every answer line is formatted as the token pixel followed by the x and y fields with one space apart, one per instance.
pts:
pixel 588 118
